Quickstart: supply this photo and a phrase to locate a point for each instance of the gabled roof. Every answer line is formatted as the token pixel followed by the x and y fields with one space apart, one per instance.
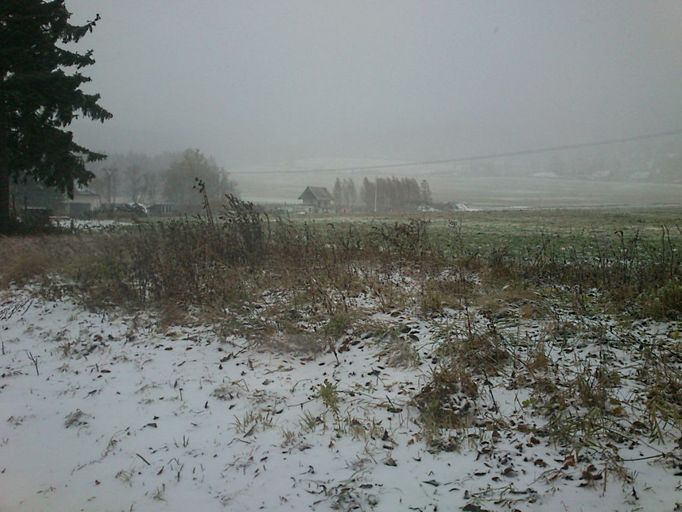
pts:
pixel 319 193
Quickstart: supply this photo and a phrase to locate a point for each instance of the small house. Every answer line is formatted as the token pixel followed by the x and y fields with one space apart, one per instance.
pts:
pixel 316 198
pixel 84 201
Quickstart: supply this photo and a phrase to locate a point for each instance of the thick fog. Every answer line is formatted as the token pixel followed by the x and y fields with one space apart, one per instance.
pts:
pixel 269 82
pixel 252 81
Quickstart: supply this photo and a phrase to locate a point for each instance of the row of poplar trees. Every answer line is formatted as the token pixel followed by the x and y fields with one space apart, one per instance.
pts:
pixel 382 194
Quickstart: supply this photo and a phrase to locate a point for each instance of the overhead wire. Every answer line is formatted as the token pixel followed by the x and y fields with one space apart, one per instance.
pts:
pixel 470 158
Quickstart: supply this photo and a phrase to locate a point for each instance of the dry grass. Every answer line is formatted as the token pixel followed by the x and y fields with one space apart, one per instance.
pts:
pixel 448 402
pixel 398 352
pixel 26 258
pixel 228 261
pixel 299 287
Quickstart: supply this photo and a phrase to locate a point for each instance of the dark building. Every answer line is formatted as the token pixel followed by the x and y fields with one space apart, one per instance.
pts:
pixel 162 209
pixel 317 198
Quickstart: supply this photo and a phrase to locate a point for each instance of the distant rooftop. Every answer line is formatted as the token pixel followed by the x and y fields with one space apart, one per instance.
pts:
pixel 319 193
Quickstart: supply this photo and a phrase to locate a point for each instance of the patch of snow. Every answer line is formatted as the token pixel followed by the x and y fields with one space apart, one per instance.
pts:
pixel 120 415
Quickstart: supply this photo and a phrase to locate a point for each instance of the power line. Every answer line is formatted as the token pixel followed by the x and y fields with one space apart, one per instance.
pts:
pixel 488 156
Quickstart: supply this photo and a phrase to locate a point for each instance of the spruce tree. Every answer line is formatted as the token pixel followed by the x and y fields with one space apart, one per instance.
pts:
pixel 40 95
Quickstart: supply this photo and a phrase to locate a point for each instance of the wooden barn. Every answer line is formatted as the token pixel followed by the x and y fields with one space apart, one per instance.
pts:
pixel 317 198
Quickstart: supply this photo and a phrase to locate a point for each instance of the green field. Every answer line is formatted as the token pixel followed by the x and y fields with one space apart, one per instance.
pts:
pixel 491 192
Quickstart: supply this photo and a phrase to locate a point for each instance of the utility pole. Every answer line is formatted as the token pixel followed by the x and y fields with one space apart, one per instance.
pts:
pixel 108 173
pixel 376 187
pixel 111 185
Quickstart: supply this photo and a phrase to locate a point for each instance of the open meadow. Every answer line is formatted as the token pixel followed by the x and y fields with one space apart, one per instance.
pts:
pixel 487 191
pixel 479 361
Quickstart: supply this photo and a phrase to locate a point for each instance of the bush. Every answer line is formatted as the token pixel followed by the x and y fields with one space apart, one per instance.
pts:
pixel 664 302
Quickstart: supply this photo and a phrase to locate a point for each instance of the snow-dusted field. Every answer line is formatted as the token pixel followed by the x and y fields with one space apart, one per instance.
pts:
pixel 109 412
pixel 88 224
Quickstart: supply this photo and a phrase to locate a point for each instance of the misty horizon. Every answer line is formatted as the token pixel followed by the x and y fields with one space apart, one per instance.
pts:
pixel 273 82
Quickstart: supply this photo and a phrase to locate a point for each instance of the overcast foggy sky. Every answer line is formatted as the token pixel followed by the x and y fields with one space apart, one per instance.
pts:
pixel 270 81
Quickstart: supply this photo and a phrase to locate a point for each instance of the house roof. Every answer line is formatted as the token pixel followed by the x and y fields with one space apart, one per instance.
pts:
pixel 319 193
pixel 85 192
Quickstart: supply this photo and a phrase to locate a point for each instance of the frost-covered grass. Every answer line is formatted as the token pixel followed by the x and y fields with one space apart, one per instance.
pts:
pixel 247 363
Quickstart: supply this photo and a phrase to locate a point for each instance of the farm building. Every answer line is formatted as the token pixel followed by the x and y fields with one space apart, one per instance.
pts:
pixel 316 198
pixel 84 201
pixel 162 209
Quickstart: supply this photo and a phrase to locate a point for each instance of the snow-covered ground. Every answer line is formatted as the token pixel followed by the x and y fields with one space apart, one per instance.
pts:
pixel 88 224
pixel 109 412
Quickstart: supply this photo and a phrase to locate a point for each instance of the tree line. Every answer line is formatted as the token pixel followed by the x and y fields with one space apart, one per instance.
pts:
pixel 41 93
pixel 168 177
pixel 382 194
